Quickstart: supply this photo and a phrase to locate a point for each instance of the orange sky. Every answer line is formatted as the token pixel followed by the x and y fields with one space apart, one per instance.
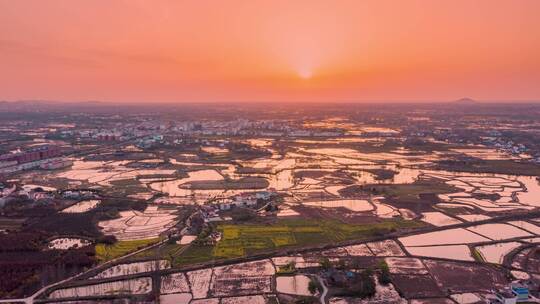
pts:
pixel 291 50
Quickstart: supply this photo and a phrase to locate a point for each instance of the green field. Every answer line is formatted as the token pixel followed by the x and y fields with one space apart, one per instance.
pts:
pixel 108 252
pixel 246 239
pixel 166 251
pixel 195 254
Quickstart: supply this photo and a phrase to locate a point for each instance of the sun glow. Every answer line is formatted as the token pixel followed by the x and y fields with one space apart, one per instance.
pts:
pixel 306 50
pixel 305 73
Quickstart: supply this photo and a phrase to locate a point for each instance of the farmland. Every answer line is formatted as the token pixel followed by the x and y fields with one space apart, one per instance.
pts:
pixel 197 202
pixel 242 240
pixel 106 252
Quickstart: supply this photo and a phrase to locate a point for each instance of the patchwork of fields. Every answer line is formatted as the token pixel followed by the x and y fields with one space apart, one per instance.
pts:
pixel 243 240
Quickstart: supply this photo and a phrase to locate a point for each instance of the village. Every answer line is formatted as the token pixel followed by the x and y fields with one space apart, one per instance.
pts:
pixel 351 208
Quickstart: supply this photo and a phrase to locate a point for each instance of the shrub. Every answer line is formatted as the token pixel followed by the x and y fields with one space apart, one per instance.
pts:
pixel 384 275
pixel 314 286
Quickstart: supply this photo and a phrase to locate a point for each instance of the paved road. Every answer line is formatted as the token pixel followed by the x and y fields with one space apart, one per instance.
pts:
pixel 325 290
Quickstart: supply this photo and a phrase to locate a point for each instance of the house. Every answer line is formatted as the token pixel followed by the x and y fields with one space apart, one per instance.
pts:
pixel 300 133
pixel 213 219
pixel 521 291
pixel 245 199
pixel 225 206
pixel 505 296
pixel 264 195
pixel 338 278
pixel 78 194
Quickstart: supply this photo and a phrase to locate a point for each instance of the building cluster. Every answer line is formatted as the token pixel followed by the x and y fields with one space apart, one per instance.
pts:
pixel 45 157
pixel 515 293
pixel 29 192
pixel 210 213
pixel 247 199
pixel 79 194
pixel 509 146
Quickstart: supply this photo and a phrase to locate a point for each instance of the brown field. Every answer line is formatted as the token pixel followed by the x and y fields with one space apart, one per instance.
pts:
pixel 466 277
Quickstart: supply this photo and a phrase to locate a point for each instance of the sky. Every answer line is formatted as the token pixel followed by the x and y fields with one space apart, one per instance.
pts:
pixel 274 50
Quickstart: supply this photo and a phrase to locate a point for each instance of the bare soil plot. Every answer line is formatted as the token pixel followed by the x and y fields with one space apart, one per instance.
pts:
pixel 243 278
pixel 132 268
pixel 258 299
pixel 465 277
pixel 255 268
pixel 295 285
pixel 405 266
pixel 412 286
pixel 174 283
pixel 298 261
pixel 240 285
pixel 467 298
pixel 200 282
pixel 358 250
pixel 175 298
pixel 386 248
pixel 133 286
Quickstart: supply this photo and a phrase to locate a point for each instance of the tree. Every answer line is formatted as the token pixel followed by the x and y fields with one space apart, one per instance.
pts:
pixel 312 287
pixel 364 287
pixel 325 263
pixel 384 275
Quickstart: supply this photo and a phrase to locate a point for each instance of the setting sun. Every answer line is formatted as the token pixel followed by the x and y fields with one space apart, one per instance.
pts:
pixel 305 74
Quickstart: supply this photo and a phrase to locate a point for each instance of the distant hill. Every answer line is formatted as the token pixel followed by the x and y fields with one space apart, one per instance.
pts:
pixel 465 101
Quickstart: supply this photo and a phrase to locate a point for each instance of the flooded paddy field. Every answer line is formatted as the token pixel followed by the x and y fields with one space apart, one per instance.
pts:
pixel 136 225
pixel 317 181
pixel 262 280
pixel 307 206
pixel 324 173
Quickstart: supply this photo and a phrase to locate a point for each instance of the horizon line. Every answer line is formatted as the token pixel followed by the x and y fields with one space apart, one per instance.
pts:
pixel 392 101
